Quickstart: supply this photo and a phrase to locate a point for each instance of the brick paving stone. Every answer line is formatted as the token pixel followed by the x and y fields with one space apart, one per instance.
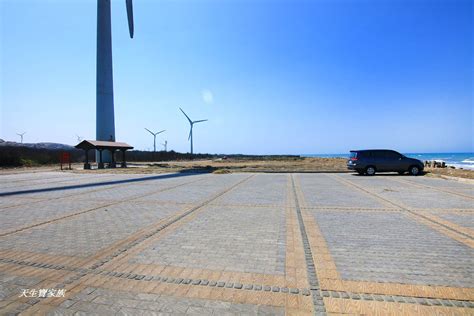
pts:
pixel 67 303
pixel 145 304
pixel 27 215
pixel 391 247
pixel 86 234
pixel 269 310
pixel 462 219
pixel 60 311
pixel 242 231
pixel 439 183
pixel 325 191
pixel 89 307
pixel 294 291
pixel 409 195
pixel 265 189
pixel 247 239
pixel 195 192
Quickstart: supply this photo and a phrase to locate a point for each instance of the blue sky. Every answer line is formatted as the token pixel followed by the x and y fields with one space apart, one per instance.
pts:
pixel 272 77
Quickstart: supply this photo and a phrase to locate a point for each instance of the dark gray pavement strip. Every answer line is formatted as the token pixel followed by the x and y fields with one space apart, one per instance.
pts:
pixel 318 302
pixel 399 299
pixel 249 287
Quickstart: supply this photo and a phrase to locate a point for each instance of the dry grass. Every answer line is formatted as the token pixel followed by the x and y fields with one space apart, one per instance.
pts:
pixel 268 165
pixel 449 172
pixel 264 165
pixel 221 171
pixel 223 166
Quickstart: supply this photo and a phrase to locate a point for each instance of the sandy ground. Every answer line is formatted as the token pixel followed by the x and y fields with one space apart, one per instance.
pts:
pixel 450 173
pixel 265 165
pixel 236 165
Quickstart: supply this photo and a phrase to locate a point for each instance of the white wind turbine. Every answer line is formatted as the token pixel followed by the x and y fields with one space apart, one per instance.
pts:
pixel 21 136
pixel 105 121
pixel 190 137
pixel 154 137
pixel 165 145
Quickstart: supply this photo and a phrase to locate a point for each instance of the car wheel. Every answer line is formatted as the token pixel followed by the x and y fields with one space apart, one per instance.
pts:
pixel 414 170
pixel 370 170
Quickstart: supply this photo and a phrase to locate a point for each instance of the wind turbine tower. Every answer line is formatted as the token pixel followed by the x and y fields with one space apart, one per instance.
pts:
pixel 105 121
pixel 21 136
pixel 190 137
pixel 154 137
pixel 165 145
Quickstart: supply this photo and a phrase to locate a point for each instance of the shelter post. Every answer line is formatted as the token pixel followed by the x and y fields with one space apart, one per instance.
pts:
pixel 87 165
pixel 112 154
pixel 101 163
pixel 124 163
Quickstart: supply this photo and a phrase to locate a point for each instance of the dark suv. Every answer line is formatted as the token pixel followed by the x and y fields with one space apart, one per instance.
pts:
pixel 382 160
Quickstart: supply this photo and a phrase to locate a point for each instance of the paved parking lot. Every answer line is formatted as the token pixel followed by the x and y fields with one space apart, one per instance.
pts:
pixel 235 244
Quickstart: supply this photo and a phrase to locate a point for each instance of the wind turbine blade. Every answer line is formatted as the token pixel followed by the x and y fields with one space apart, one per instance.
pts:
pixel 150 131
pixel 190 122
pixel 130 17
pixel 160 132
pixel 199 121
pixel 190 132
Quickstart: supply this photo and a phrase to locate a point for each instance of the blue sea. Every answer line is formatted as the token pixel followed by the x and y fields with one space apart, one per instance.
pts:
pixel 458 160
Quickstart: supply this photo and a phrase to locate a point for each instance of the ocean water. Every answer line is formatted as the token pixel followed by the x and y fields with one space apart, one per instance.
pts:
pixel 458 160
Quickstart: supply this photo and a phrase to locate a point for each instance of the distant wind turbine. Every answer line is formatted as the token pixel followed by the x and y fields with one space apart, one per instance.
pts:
pixel 154 137
pixel 79 138
pixel 165 145
pixel 190 137
pixel 21 135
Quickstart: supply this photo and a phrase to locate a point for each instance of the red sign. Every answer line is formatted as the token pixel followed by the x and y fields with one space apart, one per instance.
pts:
pixel 65 158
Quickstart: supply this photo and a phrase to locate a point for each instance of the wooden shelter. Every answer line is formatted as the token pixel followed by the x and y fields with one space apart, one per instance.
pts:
pixel 100 146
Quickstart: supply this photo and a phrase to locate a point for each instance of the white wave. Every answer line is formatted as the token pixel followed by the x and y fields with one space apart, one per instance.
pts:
pixel 436 160
pixel 469 160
